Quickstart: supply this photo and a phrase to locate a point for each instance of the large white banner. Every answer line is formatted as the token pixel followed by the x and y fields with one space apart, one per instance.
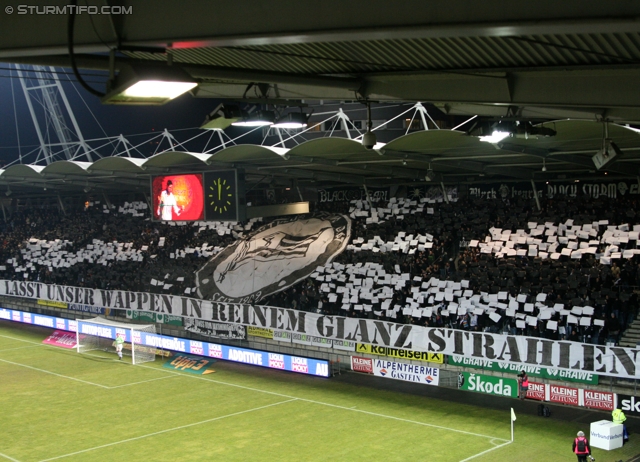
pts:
pixel 273 258
pixel 519 350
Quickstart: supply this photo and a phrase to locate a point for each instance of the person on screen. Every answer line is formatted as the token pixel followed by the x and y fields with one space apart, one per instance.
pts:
pixel 167 204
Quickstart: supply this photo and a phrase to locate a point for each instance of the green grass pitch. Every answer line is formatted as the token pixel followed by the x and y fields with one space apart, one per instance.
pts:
pixel 58 405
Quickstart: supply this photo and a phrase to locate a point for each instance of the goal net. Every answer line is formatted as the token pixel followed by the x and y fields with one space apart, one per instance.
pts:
pixel 100 334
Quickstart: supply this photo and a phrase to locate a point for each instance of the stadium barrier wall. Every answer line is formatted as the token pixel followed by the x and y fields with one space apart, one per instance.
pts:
pixel 340 356
pixel 418 371
pixel 330 331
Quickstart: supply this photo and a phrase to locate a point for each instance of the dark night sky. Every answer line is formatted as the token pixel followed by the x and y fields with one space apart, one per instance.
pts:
pixel 182 113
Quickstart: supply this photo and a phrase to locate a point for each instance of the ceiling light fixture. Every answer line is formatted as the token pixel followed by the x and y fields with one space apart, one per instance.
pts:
pixel 150 84
pixel 292 120
pixel 608 152
pixel 495 137
pixel 430 176
pixel 544 165
pixel 256 119
pixel 9 192
pixel 221 117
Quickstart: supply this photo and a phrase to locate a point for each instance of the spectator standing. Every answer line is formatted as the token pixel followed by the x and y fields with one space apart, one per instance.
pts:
pixel 581 447
pixel 523 380
pixel 619 418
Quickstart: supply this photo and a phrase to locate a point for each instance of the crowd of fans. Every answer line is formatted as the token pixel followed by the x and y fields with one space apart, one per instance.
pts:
pixel 168 265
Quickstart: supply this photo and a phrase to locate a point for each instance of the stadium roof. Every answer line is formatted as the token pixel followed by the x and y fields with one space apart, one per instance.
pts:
pixel 547 61
pixel 452 156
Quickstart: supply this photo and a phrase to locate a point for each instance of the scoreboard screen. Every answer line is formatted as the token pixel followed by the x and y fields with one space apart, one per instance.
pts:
pixel 177 197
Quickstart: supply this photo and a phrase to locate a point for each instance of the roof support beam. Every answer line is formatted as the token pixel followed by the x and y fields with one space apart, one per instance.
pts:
pixel 220 24
pixel 199 71
pixel 565 157
pixel 338 177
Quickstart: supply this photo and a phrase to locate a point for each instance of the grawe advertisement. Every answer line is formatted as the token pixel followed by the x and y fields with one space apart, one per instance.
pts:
pixel 488 384
pixel 408 372
pixel 532 371
pixel 147 316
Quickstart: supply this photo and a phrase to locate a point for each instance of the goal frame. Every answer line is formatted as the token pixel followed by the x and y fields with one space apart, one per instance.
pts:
pixel 102 328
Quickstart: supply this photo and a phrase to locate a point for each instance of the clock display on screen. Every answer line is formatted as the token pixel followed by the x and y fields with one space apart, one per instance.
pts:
pixel 221 195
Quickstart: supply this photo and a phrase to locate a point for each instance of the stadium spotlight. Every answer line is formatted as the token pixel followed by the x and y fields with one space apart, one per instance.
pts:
pixel 430 176
pixel 256 119
pixel 149 84
pixel 495 137
pixel 292 120
pixel 221 117
pixel 605 155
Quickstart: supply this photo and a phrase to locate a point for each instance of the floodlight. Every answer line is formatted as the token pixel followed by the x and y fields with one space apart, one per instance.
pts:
pixel 495 137
pixel 605 155
pixel 221 117
pixel 149 84
pixel 430 176
pixel 256 119
pixel 292 120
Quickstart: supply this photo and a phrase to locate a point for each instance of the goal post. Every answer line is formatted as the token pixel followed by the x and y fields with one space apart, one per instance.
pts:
pixel 100 334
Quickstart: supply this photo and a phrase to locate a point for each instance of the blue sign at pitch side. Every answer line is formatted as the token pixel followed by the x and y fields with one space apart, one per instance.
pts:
pixel 240 355
pixel 281 361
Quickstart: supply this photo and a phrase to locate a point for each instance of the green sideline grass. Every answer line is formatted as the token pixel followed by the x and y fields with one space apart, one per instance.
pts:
pixel 59 405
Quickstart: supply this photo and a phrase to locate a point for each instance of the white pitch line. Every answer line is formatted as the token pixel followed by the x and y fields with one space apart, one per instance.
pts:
pixel 143 381
pixel 54 373
pixel 73 378
pixel 9 458
pixel 17 348
pixel 128 440
pixel 488 450
pixel 23 340
pixel 321 403
pixel 333 405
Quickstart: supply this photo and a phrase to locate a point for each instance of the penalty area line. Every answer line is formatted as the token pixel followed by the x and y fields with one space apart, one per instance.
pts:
pixel 8 458
pixel 128 440
pixel 485 452
pixel 53 373
pixel 18 348
pixel 143 381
